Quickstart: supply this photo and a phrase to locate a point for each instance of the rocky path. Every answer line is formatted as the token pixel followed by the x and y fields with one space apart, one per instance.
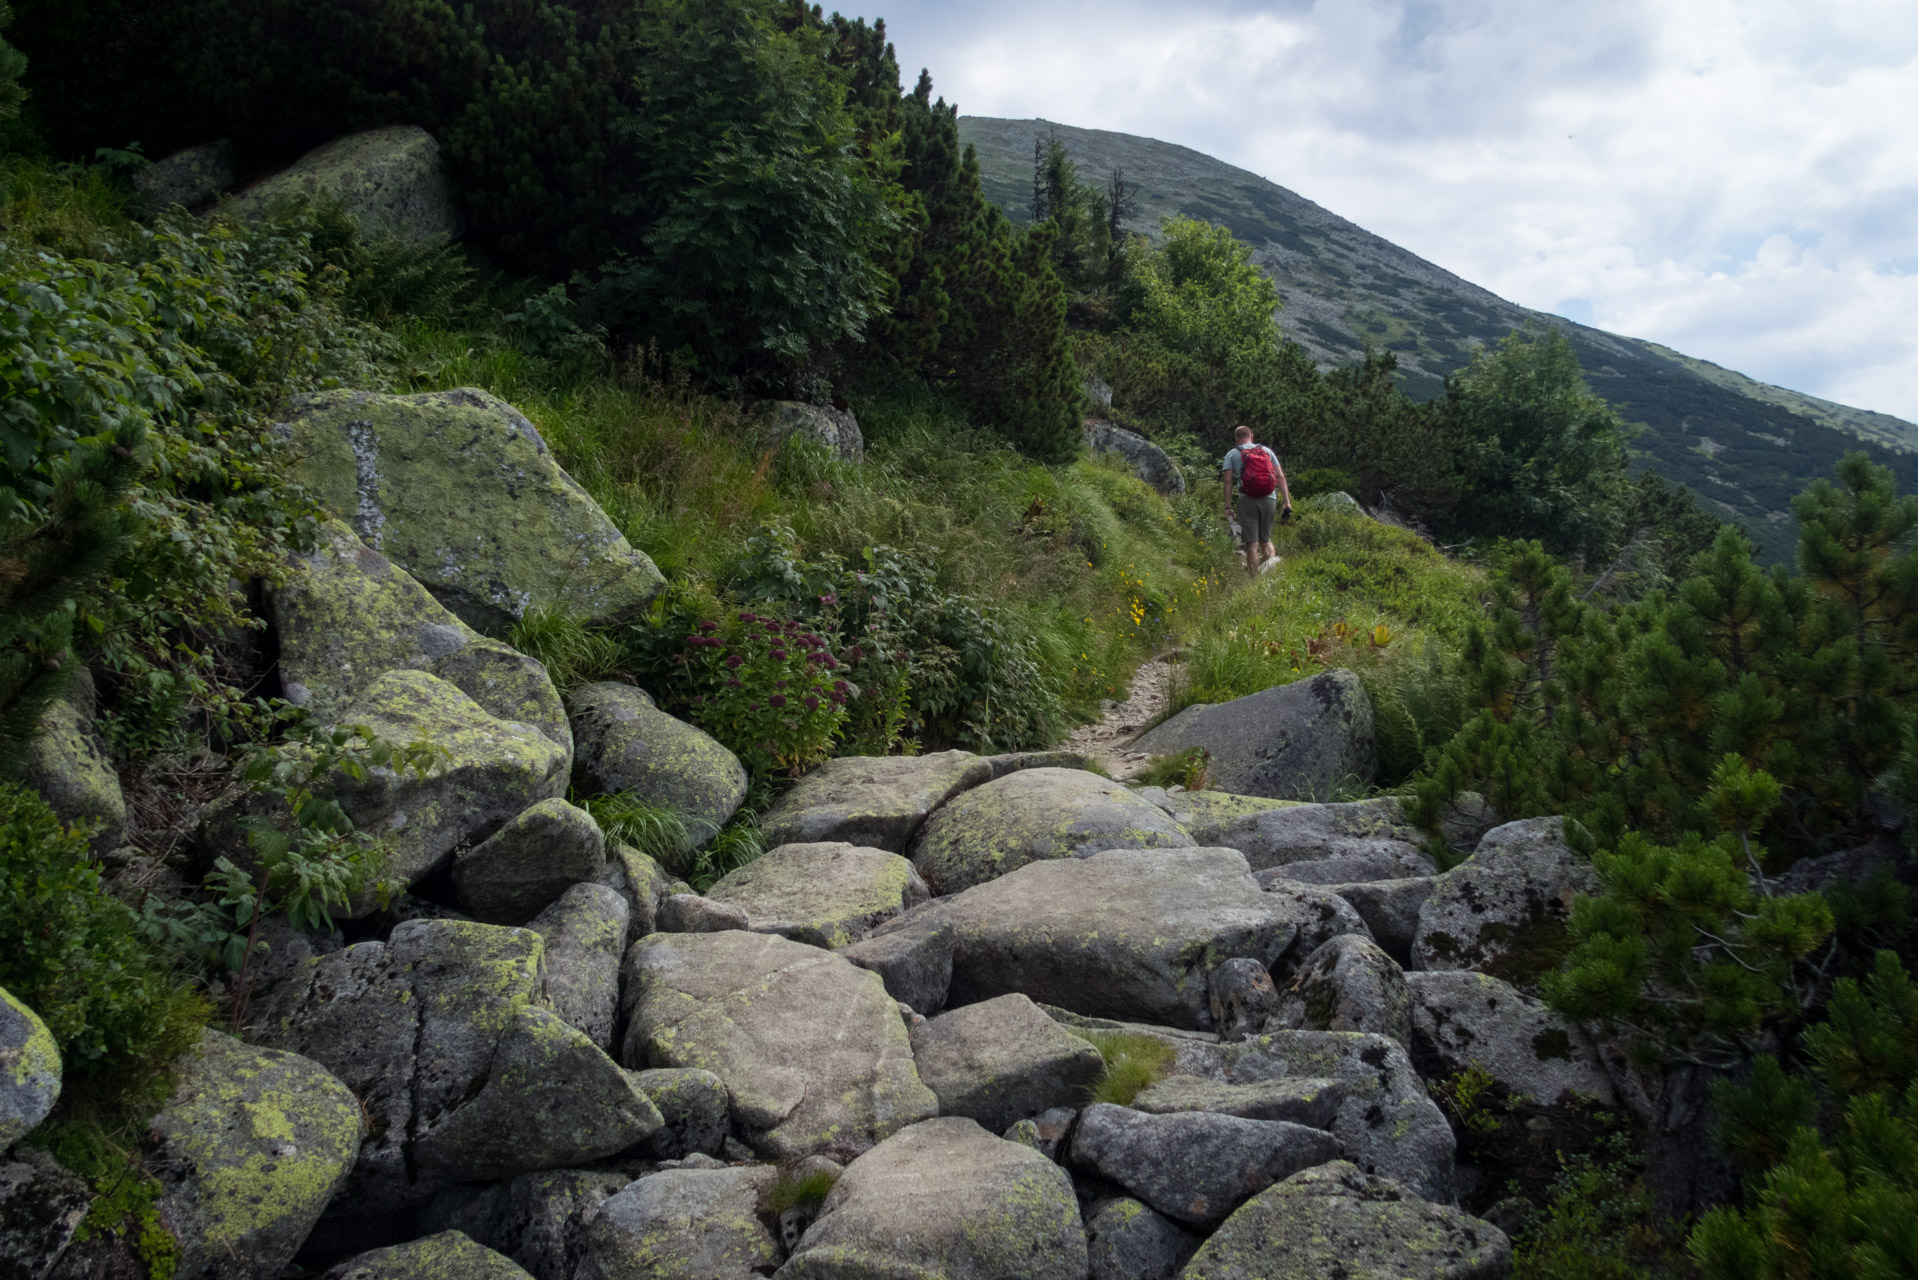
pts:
pixel 1108 739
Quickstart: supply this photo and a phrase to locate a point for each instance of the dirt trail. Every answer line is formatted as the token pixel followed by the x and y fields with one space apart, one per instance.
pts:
pixel 1146 701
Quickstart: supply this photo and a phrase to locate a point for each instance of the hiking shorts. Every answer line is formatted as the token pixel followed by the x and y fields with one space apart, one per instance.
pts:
pixel 1256 516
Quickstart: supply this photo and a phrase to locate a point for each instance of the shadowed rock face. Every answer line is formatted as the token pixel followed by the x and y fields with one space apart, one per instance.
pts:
pixel 391 181
pixel 460 490
pixel 1031 815
pixel 1299 741
pixel 1503 910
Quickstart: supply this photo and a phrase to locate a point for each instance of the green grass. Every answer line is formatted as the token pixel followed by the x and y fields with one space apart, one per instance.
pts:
pixel 795 1190
pixel 1181 769
pixel 1133 1061
pixel 1348 592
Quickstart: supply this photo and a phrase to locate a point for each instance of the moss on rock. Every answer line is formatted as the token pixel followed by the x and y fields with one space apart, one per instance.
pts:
pixel 29 1070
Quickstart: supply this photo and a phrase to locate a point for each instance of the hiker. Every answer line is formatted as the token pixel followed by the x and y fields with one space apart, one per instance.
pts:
pixel 1261 485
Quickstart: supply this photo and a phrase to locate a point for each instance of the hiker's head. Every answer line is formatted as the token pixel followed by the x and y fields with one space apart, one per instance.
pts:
pixel 1243 435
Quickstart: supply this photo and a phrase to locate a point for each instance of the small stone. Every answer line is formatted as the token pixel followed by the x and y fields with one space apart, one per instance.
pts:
pixel 1046 1132
pixel 1243 997
pixel 1003 1060
pixel 1390 909
pixel 1194 1166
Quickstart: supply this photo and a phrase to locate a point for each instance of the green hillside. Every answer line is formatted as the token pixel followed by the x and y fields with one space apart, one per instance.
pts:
pixel 1741 445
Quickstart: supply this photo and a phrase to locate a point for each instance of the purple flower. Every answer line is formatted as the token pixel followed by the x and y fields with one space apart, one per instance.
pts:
pixel 838 699
pixel 829 599
pixel 777 700
pixel 708 625
pixel 840 686
pixel 734 660
pixel 733 682
pixel 812 703
pixel 699 699
pixel 779 655
pixel 779 684
pixel 749 617
pixel 856 654
pixel 773 628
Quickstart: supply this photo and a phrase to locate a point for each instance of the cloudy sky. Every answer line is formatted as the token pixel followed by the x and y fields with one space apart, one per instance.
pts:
pixel 1734 178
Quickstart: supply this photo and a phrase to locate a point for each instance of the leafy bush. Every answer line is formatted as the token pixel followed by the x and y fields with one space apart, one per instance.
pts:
pixel 74 953
pixel 1597 1223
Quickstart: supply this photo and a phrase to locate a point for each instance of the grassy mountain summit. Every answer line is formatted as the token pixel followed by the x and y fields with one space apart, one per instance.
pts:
pixel 1744 447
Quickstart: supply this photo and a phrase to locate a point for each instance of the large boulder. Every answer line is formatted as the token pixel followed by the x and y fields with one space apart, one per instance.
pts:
pixel 1194 1166
pixel 875 801
pixel 774 421
pixel 446 1256
pixel 585 936
pixel 248 1150
pixel 1129 933
pixel 391 181
pixel 536 1219
pixel 682 1222
pixel 826 895
pixel 66 762
pixel 1219 818
pixel 945 1198
pixel 345 615
pixel 1348 984
pixel 812 1049
pixel 1299 741
pixel 696 1107
pixel 488 771
pixel 519 870
pixel 461 491
pixel 1316 912
pixel 189 179
pixel 1325 843
pixel 1152 463
pixel 29 1070
pixel 1390 909
pixel 1338 1221
pixel 1003 1060
pixel 463 1076
pixel 1032 815
pixel 1303 1100
pixel 1126 1240
pixel 1462 1019
pixel 1503 911
pixel 1385 1121
pixel 41 1207
pixel 912 954
pixel 625 743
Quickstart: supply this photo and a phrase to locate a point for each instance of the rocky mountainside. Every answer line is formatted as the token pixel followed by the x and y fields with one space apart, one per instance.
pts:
pixel 1744 447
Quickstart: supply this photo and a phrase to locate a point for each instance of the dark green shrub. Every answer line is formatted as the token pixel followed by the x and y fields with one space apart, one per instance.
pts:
pixel 74 953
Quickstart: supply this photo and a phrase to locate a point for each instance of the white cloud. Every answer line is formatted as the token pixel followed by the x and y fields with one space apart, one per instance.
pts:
pixel 1734 178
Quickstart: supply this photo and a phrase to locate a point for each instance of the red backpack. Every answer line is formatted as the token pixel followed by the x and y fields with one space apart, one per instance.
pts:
pixel 1258 471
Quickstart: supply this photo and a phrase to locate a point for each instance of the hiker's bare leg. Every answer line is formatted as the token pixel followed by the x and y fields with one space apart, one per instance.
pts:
pixel 1252 558
pixel 1267 552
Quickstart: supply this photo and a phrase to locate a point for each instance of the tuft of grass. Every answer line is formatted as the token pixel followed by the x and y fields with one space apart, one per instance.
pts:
pixel 1187 768
pixel 738 843
pixel 573 653
pixel 1133 1061
pixel 656 831
pixel 793 1189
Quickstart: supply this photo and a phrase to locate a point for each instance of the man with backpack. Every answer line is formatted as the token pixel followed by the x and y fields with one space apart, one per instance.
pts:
pixel 1261 484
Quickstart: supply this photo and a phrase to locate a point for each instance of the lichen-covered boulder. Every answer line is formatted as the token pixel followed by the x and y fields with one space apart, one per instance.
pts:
pixel 1348 984
pixel 29 1070
pixel 912 954
pixel 1314 843
pixel 345 615
pixel 1337 1221
pixel 945 1198
pixel 391 181
pixel 460 490
pixel 1219 818
pixel 825 895
pixel 1385 1121
pixel 1503 911
pixel 1243 998
pixel 1390 909
pixel 1303 1100
pixel 536 1219
pixel 1153 464
pixel 641 881
pixel 190 179
pixel 523 867
pixel 446 1256
pixel 1462 1019
pixel 811 1047
pixel 488 771
pixel 1126 1240
pixel 682 1222
pixel 249 1149
pixel 625 743
pixel 696 913
pixel 41 1207
pixel 837 429
pixel 585 936
pixel 1298 741
pixel 875 801
pixel 696 1107
pixel 66 762
pixel 1194 1166
pixel 1033 815
pixel 1129 933
pixel 439 1033
pixel 1003 1060
pixel 1317 913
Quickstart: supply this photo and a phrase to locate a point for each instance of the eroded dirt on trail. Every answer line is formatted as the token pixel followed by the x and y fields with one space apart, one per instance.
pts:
pixel 1106 739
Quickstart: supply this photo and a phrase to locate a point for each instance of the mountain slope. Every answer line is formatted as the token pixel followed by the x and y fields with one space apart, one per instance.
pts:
pixel 1744 447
